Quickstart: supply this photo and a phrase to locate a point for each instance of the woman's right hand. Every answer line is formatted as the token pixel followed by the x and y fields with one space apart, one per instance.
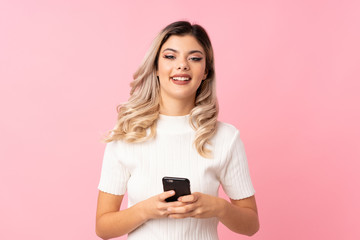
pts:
pixel 156 206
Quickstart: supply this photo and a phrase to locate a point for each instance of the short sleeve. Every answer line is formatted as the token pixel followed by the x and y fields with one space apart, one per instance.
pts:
pixel 235 176
pixel 114 175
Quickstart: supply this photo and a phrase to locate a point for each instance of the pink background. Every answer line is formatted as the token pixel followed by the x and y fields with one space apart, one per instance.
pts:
pixel 288 78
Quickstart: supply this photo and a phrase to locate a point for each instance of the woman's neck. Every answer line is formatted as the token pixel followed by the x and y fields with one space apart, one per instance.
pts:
pixel 174 107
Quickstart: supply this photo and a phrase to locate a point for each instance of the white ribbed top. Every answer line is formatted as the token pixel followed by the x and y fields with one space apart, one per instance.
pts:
pixel 139 168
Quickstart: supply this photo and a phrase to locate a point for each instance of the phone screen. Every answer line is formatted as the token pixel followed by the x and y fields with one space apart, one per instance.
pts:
pixel 181 186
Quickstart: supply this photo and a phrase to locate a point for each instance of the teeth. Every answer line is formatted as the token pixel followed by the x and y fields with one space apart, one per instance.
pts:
pixel 181 78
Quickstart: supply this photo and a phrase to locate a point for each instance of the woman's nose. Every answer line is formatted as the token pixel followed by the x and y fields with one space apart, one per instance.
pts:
pixel 183 65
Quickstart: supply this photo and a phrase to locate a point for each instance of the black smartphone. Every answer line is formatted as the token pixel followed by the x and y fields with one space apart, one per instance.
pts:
pixel 181 186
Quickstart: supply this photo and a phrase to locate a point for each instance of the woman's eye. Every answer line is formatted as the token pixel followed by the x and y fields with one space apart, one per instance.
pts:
pixel 196 59
pixel 169 57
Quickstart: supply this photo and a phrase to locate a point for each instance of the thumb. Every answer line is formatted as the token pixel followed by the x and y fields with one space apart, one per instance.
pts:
pixel 165 195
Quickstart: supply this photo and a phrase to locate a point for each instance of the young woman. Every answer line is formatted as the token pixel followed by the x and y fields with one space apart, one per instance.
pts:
pixel 169 127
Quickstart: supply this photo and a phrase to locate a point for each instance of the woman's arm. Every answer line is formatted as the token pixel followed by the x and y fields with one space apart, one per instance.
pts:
pixel 239 216
pixel 110 222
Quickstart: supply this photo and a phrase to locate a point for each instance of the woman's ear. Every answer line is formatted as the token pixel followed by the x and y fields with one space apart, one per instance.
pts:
pixel 205 74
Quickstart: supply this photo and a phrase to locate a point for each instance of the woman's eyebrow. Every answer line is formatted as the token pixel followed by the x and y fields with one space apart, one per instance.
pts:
pixel 176 51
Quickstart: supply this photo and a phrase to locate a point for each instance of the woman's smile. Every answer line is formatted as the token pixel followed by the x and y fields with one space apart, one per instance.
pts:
pixel 181 79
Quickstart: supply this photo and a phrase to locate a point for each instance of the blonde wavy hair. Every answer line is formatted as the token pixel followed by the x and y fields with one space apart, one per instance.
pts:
pixel 137 118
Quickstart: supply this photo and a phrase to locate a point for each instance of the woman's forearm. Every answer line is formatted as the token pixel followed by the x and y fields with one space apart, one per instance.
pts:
pixel 115 224
pixel 238 219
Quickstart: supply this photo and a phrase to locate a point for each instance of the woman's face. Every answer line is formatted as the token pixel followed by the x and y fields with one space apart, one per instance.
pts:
pixel 181 68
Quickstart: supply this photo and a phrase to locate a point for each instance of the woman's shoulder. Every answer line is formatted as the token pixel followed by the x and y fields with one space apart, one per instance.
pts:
pixel 118 145
pixel 226 130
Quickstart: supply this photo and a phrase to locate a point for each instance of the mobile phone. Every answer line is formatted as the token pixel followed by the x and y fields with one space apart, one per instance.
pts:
pixel 181 186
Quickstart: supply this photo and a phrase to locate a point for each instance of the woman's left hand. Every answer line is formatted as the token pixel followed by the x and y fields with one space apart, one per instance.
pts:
pixel 198 205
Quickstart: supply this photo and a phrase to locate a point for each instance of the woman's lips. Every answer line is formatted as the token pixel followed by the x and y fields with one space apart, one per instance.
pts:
pixel 180 80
